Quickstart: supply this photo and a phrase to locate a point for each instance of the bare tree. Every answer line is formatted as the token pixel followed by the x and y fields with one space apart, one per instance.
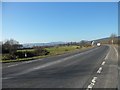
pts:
pixel 112 38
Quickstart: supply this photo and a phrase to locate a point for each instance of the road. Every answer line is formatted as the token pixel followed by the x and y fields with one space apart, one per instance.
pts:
pixel 92 68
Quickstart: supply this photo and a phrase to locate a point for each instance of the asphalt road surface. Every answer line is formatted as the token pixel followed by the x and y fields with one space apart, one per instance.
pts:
pixel 92 68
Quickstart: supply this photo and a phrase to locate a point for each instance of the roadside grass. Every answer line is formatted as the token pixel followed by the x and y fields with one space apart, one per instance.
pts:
pixel 58 50
pixel 22 59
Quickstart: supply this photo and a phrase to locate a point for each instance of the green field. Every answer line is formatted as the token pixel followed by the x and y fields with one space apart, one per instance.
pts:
pixel 57 50
pixel 62 49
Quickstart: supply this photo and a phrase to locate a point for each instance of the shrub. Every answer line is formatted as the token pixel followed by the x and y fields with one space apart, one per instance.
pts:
pixel 24 54
pixel 77 47
pixel 66 49
pixel 41 51
pixel 8 57
pixel 36 52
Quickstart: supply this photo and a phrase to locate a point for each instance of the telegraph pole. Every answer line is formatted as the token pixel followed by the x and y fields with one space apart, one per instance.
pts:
pixel 112 41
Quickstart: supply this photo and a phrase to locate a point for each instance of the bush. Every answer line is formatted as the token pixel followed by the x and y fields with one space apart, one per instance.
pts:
pixel 41 51
pixel 87 45
pixel 66 49
pixel 8 57
pixel 77 47
pixel 36 52
pixel 20 54
pixel 25 54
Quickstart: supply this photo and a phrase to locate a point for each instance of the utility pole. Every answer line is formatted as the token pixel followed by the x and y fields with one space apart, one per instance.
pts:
pixel 112 41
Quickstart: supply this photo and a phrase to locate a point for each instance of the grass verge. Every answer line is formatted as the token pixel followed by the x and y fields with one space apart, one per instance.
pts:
pixel 53 51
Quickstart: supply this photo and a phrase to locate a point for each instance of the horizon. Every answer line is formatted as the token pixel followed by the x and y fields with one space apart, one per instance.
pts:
pixel 54 22
pixel 60 41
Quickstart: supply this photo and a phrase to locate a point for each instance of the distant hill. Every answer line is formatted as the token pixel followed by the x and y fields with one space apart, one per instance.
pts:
pixel 42 44
pixel 105 39
pixel 57 43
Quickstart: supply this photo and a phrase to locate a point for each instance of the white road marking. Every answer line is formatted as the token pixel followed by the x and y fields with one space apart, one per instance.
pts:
pixel 116 51
pixel 92 83
pixel 94 79
pixel 103 63
pixel 107 54
pixel 12 65
pixel 7 78
pixel 25 62
pixel 90 86
pixel 99 70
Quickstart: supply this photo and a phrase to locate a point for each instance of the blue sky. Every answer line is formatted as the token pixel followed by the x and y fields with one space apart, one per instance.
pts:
pixel 51 22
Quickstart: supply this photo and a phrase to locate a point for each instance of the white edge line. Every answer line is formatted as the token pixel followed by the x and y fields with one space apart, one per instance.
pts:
pixel 107 54
pixel 116 51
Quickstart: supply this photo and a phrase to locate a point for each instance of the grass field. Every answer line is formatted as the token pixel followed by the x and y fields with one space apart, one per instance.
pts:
pixel 53 51
pixel 60 50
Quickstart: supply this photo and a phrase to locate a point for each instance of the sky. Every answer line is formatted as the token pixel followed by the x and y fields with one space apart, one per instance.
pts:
pixel 40 22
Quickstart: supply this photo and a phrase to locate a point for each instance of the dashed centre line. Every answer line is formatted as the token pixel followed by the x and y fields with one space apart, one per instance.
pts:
pixel 99 70
pixel 103 63
pixel 95 78
pixel 92 83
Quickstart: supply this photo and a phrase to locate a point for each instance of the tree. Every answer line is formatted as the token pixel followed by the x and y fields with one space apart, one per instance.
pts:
pixel 113 38
pixel 40 51
pixel 82 43
pixel 113 35
pixel 10 47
